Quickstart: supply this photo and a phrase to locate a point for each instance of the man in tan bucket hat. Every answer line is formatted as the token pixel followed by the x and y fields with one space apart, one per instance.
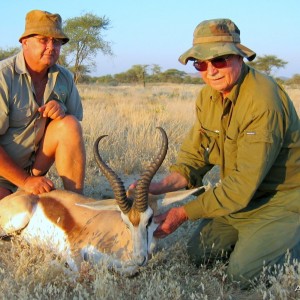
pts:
pixel 40 112
pixel 45 24
pixel 247 125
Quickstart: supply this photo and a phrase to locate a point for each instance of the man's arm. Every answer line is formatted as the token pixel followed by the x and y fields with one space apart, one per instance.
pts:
pixel 172 182
pixel 13 173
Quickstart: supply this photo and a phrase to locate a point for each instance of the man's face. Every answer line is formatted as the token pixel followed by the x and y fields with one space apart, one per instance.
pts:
pixel 223 78
pixel 41 52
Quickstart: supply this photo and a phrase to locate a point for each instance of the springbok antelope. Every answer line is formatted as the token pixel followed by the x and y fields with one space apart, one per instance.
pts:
pixel 119 231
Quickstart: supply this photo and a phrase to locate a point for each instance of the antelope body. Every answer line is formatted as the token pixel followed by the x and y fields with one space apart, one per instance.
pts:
pixel 118 231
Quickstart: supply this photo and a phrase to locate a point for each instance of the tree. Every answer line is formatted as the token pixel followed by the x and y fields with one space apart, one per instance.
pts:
pixel 267 63
pixel 156 69
pixel 85 33
pixel 295 80
pixel 9 52
pixel 141 73
pixel 172 75
pixel 136 74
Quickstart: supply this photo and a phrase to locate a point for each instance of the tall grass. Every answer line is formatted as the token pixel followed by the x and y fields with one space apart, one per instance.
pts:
pixel 129 116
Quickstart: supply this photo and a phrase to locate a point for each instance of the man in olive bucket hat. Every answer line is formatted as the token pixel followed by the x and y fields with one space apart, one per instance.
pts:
pixel 40 112
pixel 247 125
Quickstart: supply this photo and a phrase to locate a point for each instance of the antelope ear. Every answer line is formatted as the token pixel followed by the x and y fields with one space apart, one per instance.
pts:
pixel 177 196
pixel 107 204
pixel 16 211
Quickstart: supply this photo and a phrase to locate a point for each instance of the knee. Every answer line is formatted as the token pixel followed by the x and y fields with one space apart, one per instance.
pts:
pixel 243 272
pixel 69 127
pixel 70 122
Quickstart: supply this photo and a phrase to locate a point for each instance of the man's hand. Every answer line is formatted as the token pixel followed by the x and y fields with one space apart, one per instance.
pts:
pixel 155 188
pixel 172 182
pixel 52 110
pixel 37 185
pixel 169 221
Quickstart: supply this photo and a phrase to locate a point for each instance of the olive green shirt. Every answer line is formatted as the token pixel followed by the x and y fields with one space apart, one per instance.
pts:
pixel 253 135
pixel 21 126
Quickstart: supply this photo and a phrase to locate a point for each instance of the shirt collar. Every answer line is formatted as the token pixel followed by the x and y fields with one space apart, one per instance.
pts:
pixel 20 66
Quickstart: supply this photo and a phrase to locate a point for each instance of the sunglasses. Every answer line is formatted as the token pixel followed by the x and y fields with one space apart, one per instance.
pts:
pixel 218 62
pixel 46 40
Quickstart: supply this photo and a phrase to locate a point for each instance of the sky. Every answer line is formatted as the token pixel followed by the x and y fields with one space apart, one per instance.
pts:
pixel 151 32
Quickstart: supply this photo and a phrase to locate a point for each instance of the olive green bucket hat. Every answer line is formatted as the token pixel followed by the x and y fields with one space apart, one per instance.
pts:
pixel 213 38
pixel 44 23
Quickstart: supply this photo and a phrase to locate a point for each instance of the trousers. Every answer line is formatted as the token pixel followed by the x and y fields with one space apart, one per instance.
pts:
pixel 251 239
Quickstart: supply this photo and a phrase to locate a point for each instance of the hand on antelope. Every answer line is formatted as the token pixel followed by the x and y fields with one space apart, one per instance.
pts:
pixel 169 221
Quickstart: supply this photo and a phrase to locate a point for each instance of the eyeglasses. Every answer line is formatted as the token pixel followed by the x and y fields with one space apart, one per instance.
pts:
pixel 46 40
pixel 218 62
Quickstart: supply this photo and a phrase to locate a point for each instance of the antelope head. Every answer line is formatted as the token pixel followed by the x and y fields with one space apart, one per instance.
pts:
pixel 135 210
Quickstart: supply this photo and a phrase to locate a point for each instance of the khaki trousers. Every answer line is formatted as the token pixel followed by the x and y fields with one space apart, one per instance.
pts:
pixel 251 239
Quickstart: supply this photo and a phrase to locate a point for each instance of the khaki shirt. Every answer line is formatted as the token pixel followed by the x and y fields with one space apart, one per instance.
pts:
pixel 21 127
pixel 253 135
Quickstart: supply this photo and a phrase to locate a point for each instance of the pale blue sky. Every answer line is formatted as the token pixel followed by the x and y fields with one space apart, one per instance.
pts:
pixel 159 31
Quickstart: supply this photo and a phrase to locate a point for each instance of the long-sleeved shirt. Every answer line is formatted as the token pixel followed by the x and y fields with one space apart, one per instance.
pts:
pixel 21 126
pixel 253 135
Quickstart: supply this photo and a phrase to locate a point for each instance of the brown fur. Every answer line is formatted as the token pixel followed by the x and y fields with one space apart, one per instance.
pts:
pixel 134 217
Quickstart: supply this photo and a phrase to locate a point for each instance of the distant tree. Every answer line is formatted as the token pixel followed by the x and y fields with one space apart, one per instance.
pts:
pixel 85 33
pixel 106 80
pixel 156 69
pixel 127 77
pixel 122 77
pixel 141 73
pixel 8 52
pixel 136 74
pixel 295 80
pixel 193 80
pixel 267 63
pixel 172 75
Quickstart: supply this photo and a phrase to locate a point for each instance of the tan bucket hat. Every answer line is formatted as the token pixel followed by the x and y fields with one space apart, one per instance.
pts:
pixel 213 38
pixel 44 23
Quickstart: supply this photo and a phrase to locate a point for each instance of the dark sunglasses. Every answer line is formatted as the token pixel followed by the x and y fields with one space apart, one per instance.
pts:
pixel 218 62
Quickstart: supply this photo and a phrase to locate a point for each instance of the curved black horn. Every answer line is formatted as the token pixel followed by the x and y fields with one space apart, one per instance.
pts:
pixel 142 187
pixel 115 182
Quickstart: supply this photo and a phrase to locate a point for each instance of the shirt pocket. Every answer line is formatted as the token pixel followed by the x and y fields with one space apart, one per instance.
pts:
pixel 210 145
pixel 20 116
pixel 59 94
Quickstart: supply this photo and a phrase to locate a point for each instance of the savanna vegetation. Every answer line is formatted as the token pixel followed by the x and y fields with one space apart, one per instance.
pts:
pixel 86 33
pixel 129 116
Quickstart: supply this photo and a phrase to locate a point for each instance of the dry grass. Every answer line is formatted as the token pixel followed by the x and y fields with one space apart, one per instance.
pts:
pixel 129 115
